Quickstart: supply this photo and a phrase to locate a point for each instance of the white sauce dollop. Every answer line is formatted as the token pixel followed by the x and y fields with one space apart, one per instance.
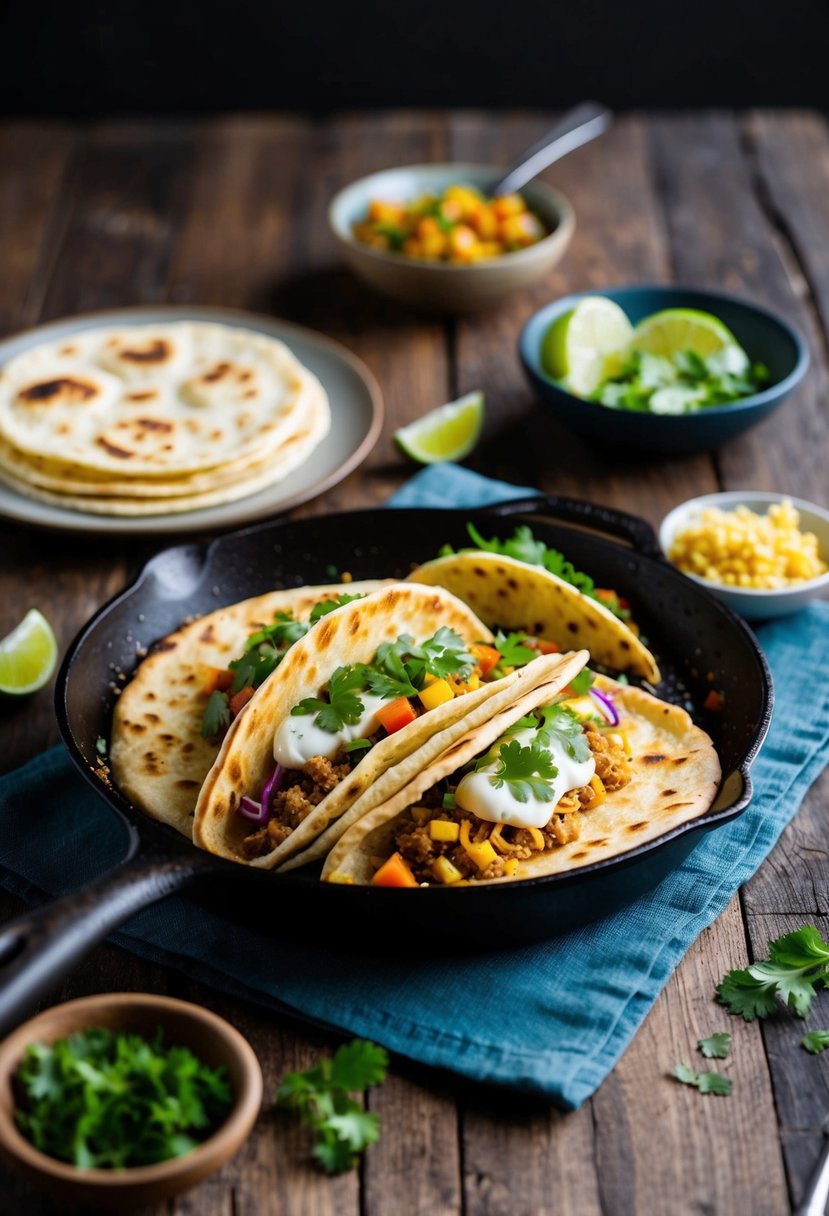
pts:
pixel 298 737
pixel 477 794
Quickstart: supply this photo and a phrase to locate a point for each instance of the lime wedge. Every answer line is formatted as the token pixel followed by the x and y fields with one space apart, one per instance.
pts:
pixel 28 655
pixel 449 432
pixel 579 346
pixel 674 330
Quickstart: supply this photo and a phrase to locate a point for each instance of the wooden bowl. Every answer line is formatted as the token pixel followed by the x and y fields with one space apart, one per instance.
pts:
pixel 212 1039
pixel 443 286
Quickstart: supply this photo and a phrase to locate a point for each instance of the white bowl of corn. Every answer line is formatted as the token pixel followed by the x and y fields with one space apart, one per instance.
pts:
pixel 762 554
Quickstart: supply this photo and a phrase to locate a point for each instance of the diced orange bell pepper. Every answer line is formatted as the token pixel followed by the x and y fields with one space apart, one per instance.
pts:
pixel 545 647
pixel 485 656
pixel 240 699
pixel 397 714
pixel 394 873
pixel 217 680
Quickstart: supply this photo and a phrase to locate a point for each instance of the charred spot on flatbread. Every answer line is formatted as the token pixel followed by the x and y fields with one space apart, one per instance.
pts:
pixel 63 390
pixel 154 351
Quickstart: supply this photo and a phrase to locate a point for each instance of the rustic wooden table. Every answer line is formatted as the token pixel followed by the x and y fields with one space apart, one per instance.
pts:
pixel 232 212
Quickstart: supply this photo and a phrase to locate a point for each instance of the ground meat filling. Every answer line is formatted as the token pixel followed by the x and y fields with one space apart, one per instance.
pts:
pixel 302 790
pixel 417 848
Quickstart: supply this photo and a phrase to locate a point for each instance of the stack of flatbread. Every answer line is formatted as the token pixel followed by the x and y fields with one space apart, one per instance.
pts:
pixel 151 419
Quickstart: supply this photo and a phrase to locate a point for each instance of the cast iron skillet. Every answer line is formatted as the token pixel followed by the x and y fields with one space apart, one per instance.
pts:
pixel 691 632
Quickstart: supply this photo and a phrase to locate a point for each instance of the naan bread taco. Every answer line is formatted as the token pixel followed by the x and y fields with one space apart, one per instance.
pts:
pixel 513 585
pixel 550 783
pixel 169 720
pixel 345 720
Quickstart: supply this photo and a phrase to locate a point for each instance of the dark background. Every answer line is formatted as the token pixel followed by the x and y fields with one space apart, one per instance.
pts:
pixel 142 56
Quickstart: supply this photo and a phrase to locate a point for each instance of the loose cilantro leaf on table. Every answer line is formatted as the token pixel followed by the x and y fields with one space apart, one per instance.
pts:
pixel 816 1041
pixel 705 1082
pixel 104 1100
pixel 343 704
pixel 526 770
pixel 797 966
pixel 716 1047
pixel 321 1095
pixel 216 715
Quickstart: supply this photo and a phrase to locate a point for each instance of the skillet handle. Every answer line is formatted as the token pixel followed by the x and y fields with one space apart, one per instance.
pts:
pixel 631 528
pixel 44 944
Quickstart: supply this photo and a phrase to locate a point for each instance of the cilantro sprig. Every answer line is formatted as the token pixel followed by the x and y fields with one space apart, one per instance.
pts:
pixel 797 966
pixel 525 770
pixel 815 1041
pixel 705 1082
pixel 513 650
pixel 716 1046
pixel 105 1100
pixel 322 1096
pixel 684 384
pixel 561 722
pixel 343 704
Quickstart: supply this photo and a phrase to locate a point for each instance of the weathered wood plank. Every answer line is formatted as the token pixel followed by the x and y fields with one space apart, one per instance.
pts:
pixel 721 237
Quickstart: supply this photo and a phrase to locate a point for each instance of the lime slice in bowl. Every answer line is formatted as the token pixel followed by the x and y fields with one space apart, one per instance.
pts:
pixel 28 655
pixel 674 330
pixel 449 432
pixel 579 347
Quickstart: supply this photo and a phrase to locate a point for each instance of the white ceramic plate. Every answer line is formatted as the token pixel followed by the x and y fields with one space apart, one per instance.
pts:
pixel 753 604
pixel 356 420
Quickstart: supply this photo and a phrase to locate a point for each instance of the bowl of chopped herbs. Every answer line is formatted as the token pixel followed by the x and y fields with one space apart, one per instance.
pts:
pixel 125 1099
pixel 661 369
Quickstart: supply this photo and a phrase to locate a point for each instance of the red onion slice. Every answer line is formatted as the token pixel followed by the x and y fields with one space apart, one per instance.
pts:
pixel 269 788
pixel 250 809
pixel 606 707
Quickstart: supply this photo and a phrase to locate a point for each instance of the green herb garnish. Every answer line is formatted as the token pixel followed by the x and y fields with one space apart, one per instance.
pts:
pixel 684 384
pixel 705 1082
pixel 512 650
pixel 357 745
pixel 343 704
pixel 101 1100
pixel 716 1047
pixel 216 715
pixel 321 1095
pixel 797 966
pixel 525 770
pixel 815 1041
pixel 560 721
pixel 583 682
pixel 101 745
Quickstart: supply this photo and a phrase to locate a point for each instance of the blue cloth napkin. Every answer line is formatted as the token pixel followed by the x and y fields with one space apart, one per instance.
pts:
pixel 553 1018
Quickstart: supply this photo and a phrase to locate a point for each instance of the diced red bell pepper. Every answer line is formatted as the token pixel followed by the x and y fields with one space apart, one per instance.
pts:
pixel 486 657
pixel 543 646
pixel 217 680
pixel 397 714
pixel 240 699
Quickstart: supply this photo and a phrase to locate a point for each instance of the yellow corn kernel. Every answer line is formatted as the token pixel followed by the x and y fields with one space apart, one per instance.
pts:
pixel 622 739
pixel 445 872
pixel 582 707
pixel 344 879
pixel 420 814
pixel 507 205
pixel 483 220
pixel 462 241
pixel 470 684
pixel 444 830
pixel 510 866
pixel 380 212
pixel 436 693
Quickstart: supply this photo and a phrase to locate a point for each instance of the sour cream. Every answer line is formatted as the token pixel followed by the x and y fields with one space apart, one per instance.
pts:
pixel 298 737
pixel 477 794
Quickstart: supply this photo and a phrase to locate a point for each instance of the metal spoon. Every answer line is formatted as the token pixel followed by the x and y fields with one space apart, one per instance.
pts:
pixel 817 1192
pixel 578 126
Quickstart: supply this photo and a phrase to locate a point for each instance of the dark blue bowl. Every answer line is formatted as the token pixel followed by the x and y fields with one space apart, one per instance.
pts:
pixel 766 338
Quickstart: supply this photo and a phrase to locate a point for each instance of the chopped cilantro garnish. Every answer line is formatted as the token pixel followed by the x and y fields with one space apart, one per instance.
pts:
pixel 688 382
pixel 816 1041
pixel 100 1099
pixel 356 745
pixel 705 1082
pixel 560 721
pixel 797 966
pixel 513 651
pixel 216 715
pixel 526 770
pixel 343 704
pixel 326 606
pixel 445 654
pixel 449 801
pixel 321 1095
pixel 716 1047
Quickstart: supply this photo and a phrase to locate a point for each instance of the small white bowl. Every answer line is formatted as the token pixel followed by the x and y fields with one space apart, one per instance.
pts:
pixel 755 605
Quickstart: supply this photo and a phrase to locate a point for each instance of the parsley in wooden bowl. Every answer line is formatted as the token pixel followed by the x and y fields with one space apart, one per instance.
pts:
pixel 125 1099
